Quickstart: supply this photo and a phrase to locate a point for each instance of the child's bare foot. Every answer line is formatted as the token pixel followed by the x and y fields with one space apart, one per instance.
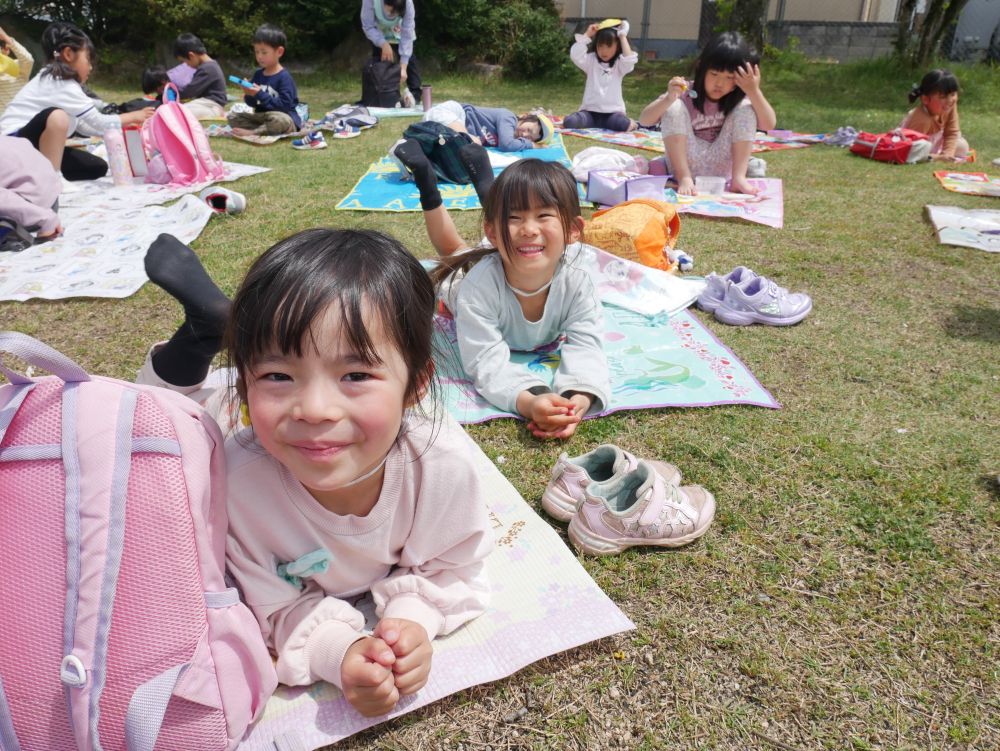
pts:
pixel 742 185
pixel 685 187
pixel 632 125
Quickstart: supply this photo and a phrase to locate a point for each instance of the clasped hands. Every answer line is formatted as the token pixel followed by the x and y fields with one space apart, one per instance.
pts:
pixel 394 661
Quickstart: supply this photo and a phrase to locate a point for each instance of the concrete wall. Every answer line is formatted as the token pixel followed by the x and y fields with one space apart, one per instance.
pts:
pixel 673 24
pixel 833 10
pixel 840 41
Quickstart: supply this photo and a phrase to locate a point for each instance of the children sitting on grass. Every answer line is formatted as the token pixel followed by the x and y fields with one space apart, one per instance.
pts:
pixel 709 128
pixel 53 105
pixel 154 81
pixel 205 97
pixel 604 54
pixel 273 95
pixel 937 115
pixel 15 68
pixel 491 126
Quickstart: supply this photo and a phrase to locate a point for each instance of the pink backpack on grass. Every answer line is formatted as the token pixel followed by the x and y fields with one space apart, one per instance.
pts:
pixel 184 156
pixel 117 629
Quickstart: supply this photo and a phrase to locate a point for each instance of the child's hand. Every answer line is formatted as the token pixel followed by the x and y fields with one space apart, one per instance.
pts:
pixel 366 677
pixel 386 52
pixel 623 29
pixel 591 30
pixel 408 640
pixel 138 117
pixel 580 404
pixel 748 78
pixel 252 90
pixel 46 236
pixel 549 416
pixel 677 86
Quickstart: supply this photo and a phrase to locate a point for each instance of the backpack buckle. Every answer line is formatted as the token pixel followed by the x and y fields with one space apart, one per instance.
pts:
pixel 72 672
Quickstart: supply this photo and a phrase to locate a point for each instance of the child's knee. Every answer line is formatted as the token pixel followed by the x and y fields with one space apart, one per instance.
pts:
pixel 57 122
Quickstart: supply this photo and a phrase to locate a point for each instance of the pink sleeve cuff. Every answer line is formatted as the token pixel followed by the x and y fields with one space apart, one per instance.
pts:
pixel 325 649
pixel 415 608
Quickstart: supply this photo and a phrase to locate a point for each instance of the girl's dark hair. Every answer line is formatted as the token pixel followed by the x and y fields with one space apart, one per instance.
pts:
pixel 153 78
pixel 185 44
pixel 270 35
pixel 58 36
pixel 526 184
pixel 937 81
pixel 606 37
pixel 398 6
pixel 369 276
pixel 529 118
pixel 725 52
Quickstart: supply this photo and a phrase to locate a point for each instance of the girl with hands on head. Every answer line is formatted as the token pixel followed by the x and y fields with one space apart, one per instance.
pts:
pixel 603 53
pixel 708 127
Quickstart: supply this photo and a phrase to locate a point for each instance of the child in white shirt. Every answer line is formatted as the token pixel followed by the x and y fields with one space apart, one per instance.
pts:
pixel 605 55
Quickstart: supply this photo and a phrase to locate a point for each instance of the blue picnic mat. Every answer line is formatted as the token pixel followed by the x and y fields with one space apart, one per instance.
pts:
pixel 656 361
pixel 382 188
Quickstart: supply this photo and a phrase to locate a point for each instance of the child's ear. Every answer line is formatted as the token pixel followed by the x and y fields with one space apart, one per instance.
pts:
pixel 280 50
pixel 423 384
pixel 490 231
pixel 575 229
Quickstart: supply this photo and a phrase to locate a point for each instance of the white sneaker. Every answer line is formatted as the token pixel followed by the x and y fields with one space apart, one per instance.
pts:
pixel 404 173
pixel 715 287
pixel 223 200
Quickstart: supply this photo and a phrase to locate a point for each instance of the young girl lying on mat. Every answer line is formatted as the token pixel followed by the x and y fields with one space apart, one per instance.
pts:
pixel 709 128
pixel 339 485
pixel 53 105
pixel 604 54
pixel 937 115
pixel 523 292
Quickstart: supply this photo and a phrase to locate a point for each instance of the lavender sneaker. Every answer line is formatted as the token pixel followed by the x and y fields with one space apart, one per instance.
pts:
pixel 639 508
pixel 762 301
pixel 715 287
pixel 571 475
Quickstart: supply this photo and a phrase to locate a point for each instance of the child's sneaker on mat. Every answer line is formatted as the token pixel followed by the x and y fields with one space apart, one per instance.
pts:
pixel 313 140
pixel 715 287
pixel 223 200
pixel 762 301
pixel 640 508
pixel 571 475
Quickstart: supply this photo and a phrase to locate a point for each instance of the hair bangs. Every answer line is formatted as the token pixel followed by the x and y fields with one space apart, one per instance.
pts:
pixel 530 184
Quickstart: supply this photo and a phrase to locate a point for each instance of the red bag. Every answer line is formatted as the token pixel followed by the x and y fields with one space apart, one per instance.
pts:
pixel 900 146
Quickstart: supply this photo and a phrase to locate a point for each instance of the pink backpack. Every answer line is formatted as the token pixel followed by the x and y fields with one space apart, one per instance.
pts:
pixel 185 157
pixel 118 629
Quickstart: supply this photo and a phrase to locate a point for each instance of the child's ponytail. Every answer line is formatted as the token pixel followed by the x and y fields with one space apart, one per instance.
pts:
pixel 60 35
pixel 937 81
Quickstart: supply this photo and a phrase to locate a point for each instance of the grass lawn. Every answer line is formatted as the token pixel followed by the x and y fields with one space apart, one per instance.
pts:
pixel 846 596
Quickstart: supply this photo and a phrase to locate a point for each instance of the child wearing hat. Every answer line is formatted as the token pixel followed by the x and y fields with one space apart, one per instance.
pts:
pixel 496 127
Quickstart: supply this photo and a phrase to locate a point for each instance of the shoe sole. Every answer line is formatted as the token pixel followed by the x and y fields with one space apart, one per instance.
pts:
pixel 706 306
pixel 562 507
pixel 739 318
pixel 308 148
pixel 591 544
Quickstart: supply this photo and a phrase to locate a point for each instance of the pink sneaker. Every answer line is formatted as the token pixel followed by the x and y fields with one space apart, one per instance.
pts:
pixel 572 474
pixel 639 508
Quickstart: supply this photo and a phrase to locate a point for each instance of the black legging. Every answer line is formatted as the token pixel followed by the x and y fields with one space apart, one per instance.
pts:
pixel 77 164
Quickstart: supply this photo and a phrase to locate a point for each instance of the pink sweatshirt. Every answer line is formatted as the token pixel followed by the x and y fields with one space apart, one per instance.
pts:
pixel 420 550
pixel 29 186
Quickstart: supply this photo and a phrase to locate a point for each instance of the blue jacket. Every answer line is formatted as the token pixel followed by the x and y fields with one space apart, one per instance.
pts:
pixel 277 94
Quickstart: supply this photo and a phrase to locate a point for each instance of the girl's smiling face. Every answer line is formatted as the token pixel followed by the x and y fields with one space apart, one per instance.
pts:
pixel 719 83
pixel 537 242
pixel 328 415
pixel 938 103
